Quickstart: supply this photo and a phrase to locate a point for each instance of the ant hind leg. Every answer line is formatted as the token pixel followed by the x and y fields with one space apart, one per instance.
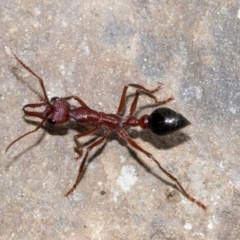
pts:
pixel 140 89
pixel 133 144
pixel 149 94
pixel 137 86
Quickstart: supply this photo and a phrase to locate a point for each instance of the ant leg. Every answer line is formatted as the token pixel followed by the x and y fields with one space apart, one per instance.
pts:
pixel 135 100
pixel 78 144
pixel 124 92
pixel 34 74
pixel 81 168
pixel 133 144
pixel 79 100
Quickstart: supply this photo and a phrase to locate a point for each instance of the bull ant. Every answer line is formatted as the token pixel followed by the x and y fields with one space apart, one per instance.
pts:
pixel 58 111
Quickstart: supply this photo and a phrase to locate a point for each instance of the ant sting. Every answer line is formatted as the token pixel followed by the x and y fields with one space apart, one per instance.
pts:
pixel 58 111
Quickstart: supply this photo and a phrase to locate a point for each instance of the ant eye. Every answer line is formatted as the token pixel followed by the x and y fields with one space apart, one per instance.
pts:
pixel 51 121
pixel 163 121
pixel 54 99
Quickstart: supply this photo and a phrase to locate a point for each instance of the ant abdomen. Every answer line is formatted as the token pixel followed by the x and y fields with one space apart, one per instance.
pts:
pixel 163 121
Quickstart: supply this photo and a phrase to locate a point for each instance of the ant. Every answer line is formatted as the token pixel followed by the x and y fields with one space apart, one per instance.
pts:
pixel 58 111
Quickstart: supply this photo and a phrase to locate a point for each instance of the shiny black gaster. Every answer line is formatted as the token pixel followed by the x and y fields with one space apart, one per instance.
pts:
pixel 163 121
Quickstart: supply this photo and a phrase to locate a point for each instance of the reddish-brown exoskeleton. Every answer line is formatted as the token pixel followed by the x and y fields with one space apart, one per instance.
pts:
pixel 58 111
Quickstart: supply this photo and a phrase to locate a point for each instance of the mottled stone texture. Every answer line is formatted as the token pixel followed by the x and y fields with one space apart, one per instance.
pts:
pixel 91 49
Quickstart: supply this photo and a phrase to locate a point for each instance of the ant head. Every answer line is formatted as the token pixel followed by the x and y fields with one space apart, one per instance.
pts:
pixel 163 121
pixel 58 111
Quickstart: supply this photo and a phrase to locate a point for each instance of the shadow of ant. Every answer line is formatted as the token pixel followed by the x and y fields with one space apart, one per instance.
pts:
pixel 179 137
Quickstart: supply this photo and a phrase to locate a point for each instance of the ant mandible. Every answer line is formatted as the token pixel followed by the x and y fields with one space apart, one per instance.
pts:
pixel 58 111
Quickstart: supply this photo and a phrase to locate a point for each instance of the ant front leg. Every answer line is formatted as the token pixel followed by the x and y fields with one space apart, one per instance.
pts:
pixel 82 166
pixel 133 144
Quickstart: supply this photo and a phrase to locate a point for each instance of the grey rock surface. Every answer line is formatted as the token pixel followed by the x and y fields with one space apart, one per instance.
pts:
pixel 92 49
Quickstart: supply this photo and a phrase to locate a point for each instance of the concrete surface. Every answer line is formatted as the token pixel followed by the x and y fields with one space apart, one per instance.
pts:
pixel 91 49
